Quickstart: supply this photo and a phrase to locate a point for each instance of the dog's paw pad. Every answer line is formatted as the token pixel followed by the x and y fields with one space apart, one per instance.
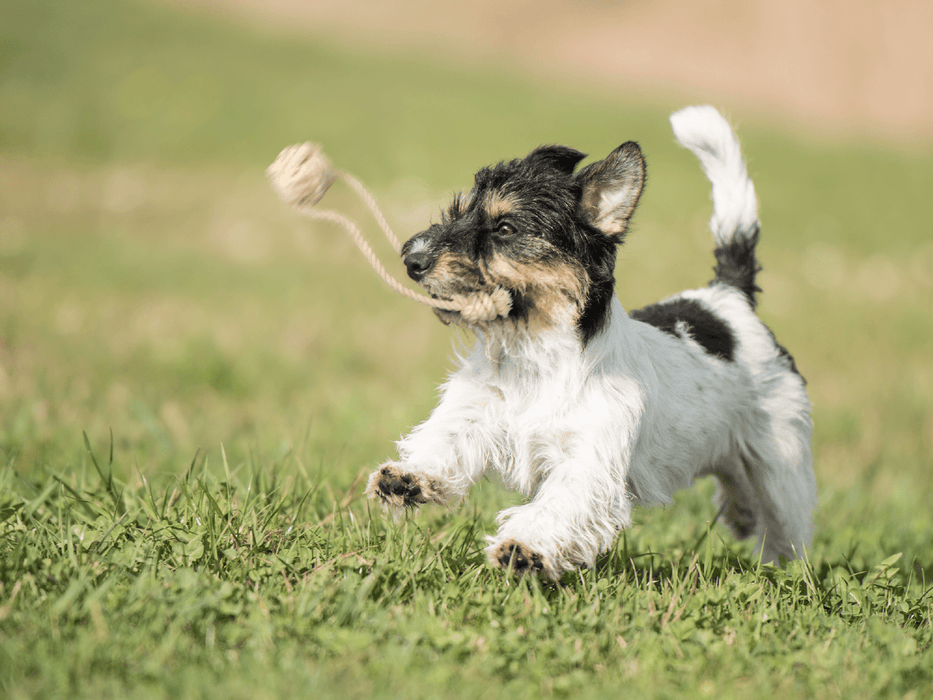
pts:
pixel 518 558
pixel 398 488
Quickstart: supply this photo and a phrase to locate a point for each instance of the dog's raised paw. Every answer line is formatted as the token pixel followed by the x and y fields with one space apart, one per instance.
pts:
pixel 398 488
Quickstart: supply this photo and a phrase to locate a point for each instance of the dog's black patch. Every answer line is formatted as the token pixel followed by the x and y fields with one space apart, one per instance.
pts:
pixel 601 263
pixel 706 328
pixel 737 266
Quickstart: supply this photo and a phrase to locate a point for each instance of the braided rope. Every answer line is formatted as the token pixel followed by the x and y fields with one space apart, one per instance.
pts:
pixel 370 255
pixel 373 207
pixel 302 174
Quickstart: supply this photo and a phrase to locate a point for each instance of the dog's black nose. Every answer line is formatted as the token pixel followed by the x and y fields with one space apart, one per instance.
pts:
pixel 418 264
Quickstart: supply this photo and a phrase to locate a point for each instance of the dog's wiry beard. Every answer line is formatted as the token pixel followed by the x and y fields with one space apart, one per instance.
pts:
pixel 547 291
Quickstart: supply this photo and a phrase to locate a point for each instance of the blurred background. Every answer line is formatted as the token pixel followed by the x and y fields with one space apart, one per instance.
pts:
pixel 155 294
pixel 826 65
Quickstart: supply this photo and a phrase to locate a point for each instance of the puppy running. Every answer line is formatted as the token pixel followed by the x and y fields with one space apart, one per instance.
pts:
pixel 589 410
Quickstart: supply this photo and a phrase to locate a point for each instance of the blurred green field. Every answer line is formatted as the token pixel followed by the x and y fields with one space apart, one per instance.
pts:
pixel 153 289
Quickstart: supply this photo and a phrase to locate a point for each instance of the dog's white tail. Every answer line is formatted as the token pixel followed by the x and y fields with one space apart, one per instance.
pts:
pixel 735 209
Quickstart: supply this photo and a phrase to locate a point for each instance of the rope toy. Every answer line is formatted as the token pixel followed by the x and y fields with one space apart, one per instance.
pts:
pixel 302 174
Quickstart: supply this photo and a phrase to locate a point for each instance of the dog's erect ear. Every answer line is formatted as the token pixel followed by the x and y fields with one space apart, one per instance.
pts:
pixel 611 189
pixel 561 158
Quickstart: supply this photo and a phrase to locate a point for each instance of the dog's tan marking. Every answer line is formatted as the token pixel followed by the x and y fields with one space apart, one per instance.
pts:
pixel 453 274
pixel 554 289
pixel 565 278
pixel 498 205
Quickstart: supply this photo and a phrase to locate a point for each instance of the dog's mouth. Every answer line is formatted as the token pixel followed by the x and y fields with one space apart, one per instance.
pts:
pixel 480 306
pixel 475 294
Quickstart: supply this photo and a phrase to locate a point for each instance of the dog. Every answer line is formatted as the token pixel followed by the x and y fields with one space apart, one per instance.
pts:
pixel 589 410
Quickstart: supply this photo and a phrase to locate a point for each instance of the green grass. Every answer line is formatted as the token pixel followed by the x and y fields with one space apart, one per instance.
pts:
pixel 258 585
pixel 155 296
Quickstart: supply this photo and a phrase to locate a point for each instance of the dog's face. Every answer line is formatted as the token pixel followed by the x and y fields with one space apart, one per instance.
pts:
pixel 536 228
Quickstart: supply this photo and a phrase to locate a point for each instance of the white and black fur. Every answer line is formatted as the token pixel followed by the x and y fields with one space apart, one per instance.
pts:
pixel 588 410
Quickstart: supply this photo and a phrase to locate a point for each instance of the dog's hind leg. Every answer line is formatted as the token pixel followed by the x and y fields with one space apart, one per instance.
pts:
pixel 780 471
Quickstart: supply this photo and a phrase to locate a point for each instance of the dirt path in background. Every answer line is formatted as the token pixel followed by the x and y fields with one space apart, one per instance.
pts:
pixel 828 65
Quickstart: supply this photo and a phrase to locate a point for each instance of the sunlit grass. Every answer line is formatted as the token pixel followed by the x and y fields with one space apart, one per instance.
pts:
pixel 257 583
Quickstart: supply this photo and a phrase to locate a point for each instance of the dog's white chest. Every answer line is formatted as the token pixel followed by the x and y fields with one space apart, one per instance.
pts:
pixel 524 423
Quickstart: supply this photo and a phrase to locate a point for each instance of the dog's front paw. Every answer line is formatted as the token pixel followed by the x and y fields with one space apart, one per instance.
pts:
pixel 520 559
pixel 397 488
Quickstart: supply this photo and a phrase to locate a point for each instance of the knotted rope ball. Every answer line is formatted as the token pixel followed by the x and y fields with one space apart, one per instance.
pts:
pixel 302 174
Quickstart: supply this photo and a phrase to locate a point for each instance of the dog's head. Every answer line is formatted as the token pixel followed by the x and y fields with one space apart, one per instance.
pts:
pixel 538 229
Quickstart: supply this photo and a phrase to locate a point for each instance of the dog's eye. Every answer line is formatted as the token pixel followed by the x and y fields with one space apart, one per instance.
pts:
pixel 505 229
